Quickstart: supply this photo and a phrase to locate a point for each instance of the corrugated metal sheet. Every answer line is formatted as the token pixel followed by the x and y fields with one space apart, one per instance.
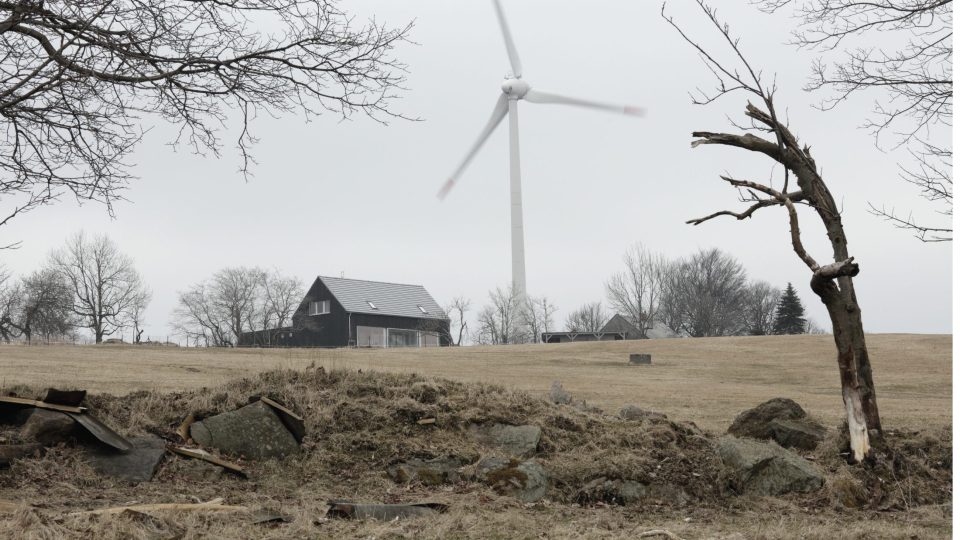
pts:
pixel 394 299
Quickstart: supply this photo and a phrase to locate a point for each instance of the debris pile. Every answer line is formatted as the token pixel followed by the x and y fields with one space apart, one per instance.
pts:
pixel 299 450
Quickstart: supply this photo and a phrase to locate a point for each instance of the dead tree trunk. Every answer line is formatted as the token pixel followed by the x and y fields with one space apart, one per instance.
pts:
pixel 832 282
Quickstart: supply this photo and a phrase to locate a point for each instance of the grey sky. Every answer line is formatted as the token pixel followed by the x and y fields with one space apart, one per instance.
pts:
pixel 359 198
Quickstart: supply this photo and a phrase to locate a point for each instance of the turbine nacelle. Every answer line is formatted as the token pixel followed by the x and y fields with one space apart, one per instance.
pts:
pixel 515 88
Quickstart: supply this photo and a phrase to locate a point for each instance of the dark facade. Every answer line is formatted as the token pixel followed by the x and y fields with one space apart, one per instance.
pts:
pixel 341 327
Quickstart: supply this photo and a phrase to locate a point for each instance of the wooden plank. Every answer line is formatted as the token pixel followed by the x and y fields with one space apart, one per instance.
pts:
pixel 202 455
pixel 41 404
pixel 103 433
pixel 215 505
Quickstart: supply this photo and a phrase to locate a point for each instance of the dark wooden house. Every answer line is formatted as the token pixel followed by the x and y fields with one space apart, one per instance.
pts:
pixel 340 312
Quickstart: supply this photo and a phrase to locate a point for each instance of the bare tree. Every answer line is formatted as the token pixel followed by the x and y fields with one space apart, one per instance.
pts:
pixel 500 322
pixel 914 72
pixel 635 292
pixel 457 310
pixel 218 310
pixel 704 295
pixel 137 313
pixel 78 79
pixel 198 318
pixel 832 282
pixel 41 306
pixel 10 297
pixel 537 315
pixel 590 317
pixel 282 296
pixel 104 282
pixel 760 308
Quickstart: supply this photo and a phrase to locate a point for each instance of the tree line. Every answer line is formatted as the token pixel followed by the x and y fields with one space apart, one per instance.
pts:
pixel 86 284
pixel 707 293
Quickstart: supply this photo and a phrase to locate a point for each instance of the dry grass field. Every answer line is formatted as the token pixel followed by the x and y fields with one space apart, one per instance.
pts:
pixel 705 380
pixel 360 423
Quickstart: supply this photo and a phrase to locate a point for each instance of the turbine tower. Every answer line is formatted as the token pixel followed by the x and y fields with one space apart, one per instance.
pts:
pixel 513 89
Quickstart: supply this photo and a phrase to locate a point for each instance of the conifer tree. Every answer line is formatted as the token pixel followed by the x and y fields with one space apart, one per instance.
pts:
pixel 790 313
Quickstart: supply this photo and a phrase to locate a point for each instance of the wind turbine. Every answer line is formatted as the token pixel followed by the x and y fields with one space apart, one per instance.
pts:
pixel 513 90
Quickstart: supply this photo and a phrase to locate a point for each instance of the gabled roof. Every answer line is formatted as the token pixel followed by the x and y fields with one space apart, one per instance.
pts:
pixel 395 299
pixel 619 323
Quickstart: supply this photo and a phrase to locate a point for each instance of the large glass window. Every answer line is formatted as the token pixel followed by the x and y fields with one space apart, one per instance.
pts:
pixel 369 336
pixel 404 338
pixel 430 340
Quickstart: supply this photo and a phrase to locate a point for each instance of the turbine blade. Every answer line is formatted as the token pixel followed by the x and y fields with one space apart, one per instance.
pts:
pixel 499 111
pixel 536 96
pixel 508 40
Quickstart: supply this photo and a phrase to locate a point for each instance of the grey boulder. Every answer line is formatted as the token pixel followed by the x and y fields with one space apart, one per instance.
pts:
pixel 48 427
pixel 801 434
pixel 253 432
pixel 517 441
pixel 765 468
pixel 782 420
pixel 432 472
pixel 632 412
pixel 525 480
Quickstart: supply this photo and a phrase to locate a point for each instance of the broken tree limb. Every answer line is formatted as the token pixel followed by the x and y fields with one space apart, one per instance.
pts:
pixel 184 429
pixel 659 532
pixel 197 453
pixel 215 505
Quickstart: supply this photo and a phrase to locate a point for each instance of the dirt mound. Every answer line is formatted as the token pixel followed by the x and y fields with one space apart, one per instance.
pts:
pixel 359 426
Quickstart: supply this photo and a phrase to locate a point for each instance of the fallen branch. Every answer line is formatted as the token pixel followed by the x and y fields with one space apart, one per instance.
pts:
pixel 659 532
pixel 216 505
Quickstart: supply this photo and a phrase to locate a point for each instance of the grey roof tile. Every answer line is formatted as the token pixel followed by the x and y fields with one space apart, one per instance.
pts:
pixel 394 299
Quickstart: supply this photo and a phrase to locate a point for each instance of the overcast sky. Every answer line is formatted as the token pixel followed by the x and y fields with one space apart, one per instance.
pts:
pixel 358 197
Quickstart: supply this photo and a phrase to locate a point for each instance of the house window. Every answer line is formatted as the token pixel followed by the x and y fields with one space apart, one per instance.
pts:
pixel 403 338
pixel 422 310
pixel 430 340
pixel 319 308
pixel 372 305
pixel 369 336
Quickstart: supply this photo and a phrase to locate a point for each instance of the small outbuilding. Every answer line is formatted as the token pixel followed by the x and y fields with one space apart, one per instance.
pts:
pixel 617 328
pixel 341 312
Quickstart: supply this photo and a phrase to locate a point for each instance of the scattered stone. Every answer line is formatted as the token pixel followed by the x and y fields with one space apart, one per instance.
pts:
pixel 525 480
pixel 802 434
pixel 765 468
pixel 641 359
pixel 632 412
pixel 558 395
pixel 48 427
pixel 425 392
pixel 611 491
pixel 782 420
pixel 433 472
pixel 253 431
pixel 582 405
pixel 518 441
pixel 137 465
pixel 383 512
pixel 755 422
